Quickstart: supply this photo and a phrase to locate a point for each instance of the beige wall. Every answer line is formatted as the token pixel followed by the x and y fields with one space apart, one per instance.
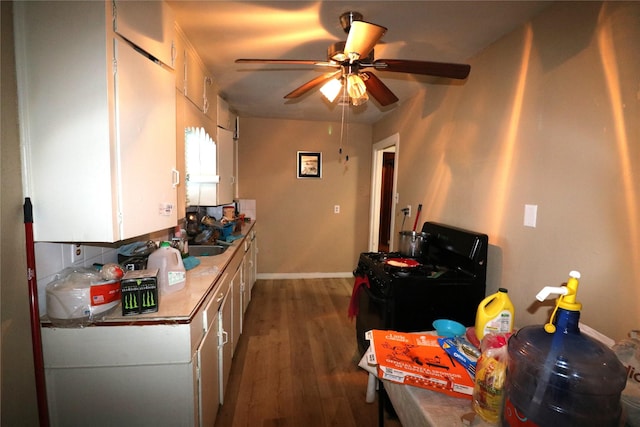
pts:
pixel 298 231
pixel 549 116
pixel 18 380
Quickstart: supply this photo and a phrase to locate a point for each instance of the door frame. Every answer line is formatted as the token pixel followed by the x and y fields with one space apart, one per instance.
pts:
pixel 389 144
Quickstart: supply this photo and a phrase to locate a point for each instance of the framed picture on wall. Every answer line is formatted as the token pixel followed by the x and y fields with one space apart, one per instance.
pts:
pixel 309 164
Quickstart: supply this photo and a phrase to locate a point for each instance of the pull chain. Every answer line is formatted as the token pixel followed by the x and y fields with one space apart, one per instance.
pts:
pixel 342 129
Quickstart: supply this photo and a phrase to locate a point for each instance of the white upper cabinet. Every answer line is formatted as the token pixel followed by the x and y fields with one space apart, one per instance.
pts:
pixel 97 123
pixel 197 80
pixel 193 79
pixel 226 159
pixel 180 61
pixel 148 25
pixel 226 119
pixel 145 105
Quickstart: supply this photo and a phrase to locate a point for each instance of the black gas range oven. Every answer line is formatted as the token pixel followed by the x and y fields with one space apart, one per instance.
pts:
pixel 407 295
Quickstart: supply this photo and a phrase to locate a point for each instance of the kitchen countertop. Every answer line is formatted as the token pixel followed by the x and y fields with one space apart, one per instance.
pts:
pixel 181 306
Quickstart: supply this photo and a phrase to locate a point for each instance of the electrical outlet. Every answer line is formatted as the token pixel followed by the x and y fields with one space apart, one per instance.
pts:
pixel 408 210
pixel 77 254
pixel 336 209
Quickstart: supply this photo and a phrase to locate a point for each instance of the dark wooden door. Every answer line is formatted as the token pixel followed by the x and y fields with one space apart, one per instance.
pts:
pixel 386 201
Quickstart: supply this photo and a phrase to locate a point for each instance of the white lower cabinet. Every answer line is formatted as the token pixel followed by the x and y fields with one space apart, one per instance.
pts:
pixel 236 294
pixel 250 265
pixel 147 372
pixel 225 348
pixel 123 375
pixel 207 371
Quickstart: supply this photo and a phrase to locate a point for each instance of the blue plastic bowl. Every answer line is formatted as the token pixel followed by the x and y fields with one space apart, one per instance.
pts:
pixel 449 328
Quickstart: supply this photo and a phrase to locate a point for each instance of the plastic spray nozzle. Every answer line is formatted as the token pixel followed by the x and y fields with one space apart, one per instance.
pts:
pixel 548 290
pixel 566 299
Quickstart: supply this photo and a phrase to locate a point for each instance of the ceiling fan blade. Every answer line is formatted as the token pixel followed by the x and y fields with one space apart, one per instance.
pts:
pixel 362 37
pixel 311 84
pixel 287 61
pixel 439 69
pixel 379 90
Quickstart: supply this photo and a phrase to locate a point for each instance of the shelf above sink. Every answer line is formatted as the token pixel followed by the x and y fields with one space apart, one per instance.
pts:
pixel 206 250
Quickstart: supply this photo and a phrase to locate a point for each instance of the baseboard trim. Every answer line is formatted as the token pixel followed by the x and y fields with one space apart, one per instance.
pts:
pixel 277 276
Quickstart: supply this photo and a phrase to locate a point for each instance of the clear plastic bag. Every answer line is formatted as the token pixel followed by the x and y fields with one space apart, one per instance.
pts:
pixel 628 351
pixel 79 296
pixel 491 372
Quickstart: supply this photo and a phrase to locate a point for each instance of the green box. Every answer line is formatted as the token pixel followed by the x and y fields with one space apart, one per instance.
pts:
pixel 139 290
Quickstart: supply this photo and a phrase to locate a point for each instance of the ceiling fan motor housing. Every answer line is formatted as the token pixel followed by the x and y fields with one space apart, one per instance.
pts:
pixel 347 18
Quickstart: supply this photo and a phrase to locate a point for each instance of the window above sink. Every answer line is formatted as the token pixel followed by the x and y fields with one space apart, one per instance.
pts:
pixel 201 168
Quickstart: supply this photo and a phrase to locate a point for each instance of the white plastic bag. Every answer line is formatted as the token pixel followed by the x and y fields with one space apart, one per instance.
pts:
pixel 628 351
pixel 79 296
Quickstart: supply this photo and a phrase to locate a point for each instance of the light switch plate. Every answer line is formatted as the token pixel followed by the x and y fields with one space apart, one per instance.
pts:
pixel 530 215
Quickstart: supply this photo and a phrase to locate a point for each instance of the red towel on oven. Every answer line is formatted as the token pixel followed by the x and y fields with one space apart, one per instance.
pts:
pixel 353 304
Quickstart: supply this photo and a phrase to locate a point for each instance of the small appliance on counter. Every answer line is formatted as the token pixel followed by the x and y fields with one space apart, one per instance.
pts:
pixel 134 255
pixel 79 296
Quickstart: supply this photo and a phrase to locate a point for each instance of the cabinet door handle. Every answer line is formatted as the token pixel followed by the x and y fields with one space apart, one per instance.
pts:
pixel 176 177
pixel 220 297
pixel 224 338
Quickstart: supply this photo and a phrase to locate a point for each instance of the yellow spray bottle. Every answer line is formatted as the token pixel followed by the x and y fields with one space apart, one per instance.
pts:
pixel 495 314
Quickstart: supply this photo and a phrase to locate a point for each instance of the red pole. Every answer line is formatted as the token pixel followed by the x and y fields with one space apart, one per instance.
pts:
pixel 415 224
pixel 36 338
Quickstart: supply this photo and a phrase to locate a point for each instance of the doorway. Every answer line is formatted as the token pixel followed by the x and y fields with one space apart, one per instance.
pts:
pixel 383 194
pixel 386 200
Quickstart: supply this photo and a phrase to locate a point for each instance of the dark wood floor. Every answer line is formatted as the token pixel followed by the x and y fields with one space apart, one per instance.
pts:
pixel 296 361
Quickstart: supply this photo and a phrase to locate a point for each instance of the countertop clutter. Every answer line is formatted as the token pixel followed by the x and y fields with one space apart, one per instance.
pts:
pixel 165 368
pixel 418 406
pixel 182 305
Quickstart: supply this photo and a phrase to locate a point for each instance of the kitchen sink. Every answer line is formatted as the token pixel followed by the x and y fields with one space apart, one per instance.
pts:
pixel 206 250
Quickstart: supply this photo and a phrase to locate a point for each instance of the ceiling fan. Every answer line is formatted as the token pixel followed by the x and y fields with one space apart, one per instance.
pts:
pixel 353 57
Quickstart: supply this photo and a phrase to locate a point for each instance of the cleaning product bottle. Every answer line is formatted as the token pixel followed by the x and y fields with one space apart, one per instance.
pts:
pixel 495 315
pixel 557 376
pixel 171 272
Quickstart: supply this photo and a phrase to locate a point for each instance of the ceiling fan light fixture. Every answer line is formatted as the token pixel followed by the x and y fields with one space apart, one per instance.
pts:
pixel 360 100
pixel 331 89
pixel 355 86
pixel 362 38
pixel 335 52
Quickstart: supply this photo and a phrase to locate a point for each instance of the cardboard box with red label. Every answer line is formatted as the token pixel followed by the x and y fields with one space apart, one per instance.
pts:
pixel 417 359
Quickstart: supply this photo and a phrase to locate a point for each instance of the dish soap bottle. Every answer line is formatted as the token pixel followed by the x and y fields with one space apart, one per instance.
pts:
pixel 171 272
pixel 495 315
pixel 557 376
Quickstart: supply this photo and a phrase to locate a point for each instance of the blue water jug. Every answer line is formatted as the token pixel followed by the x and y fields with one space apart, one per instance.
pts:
pixel 557 376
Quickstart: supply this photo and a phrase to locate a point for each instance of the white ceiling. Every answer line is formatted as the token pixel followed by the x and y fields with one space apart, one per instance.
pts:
pixel 441 31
